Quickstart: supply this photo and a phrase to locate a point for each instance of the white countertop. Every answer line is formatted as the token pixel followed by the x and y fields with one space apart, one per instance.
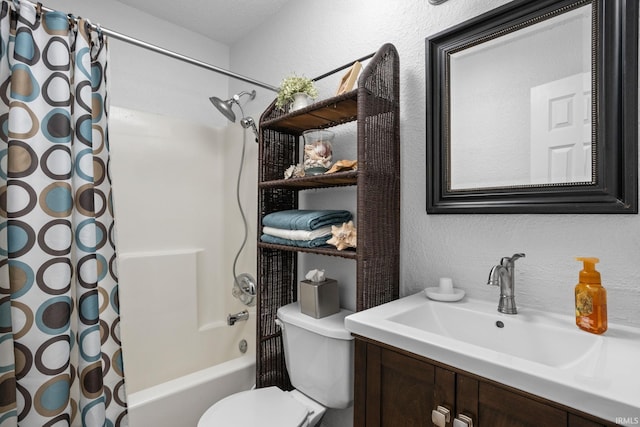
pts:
pixel 604 382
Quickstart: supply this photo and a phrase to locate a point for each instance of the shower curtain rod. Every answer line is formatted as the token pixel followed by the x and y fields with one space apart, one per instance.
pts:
pixel 154 48
pixel 127 39
pixel 175 55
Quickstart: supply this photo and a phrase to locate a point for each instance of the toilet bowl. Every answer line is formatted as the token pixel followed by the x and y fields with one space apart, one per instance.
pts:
pixel 319 360
pixel 269 407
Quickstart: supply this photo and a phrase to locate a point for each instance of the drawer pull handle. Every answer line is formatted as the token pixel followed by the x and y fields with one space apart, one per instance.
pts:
pixel 462 421
pixel 440 416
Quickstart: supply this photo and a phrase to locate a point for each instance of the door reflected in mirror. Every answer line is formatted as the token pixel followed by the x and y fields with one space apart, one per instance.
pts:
pixel 514 122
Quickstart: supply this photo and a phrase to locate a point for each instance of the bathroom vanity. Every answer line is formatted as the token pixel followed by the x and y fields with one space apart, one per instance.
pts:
pixel 457 364
pixel 398 388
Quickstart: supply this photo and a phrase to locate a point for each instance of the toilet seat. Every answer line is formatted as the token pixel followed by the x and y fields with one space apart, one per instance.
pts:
pixel 269 407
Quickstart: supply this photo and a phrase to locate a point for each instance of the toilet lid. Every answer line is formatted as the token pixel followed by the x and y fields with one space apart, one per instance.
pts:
pixel 268 406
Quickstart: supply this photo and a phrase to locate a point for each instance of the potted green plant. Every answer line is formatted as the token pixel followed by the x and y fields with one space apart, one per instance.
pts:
pixel 296 91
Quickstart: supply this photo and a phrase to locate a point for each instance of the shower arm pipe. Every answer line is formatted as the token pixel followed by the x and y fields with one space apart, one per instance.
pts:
pixel 127 39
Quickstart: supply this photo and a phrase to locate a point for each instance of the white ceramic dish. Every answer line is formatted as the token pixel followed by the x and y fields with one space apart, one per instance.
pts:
pixel 436 294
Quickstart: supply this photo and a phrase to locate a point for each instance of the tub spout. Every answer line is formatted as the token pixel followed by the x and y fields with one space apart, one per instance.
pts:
pixel 233 318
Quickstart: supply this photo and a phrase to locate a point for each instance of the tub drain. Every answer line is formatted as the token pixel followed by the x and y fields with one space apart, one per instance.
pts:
pixel 243 346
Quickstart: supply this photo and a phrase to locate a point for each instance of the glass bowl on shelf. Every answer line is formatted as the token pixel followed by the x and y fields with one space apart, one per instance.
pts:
pixel 318 151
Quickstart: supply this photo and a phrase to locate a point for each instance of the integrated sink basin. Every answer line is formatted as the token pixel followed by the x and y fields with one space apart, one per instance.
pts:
pixel 527 335
pixel 541 353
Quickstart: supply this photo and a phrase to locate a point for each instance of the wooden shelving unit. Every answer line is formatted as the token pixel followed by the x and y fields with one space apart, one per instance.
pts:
pixel 323 114
pixel 374 105
pixel 337 179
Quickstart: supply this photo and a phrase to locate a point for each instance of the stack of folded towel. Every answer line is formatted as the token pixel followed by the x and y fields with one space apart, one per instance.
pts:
pixel 302 228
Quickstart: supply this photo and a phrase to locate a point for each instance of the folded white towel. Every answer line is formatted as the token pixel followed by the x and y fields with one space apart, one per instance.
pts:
pixel 297 234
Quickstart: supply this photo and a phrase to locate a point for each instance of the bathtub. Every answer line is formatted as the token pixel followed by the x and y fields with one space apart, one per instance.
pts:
pixel 181 402
pixel 176 363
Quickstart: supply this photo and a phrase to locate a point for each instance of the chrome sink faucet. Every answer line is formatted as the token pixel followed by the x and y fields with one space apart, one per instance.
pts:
pixel 504 275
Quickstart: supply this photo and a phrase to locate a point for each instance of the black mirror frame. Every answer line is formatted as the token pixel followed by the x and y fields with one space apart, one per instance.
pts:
pixel 616 185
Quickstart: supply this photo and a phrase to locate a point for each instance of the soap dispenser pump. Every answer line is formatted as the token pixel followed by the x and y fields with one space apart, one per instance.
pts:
pixel 591 299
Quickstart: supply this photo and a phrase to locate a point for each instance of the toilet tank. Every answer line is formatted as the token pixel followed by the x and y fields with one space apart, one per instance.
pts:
pixel 319 355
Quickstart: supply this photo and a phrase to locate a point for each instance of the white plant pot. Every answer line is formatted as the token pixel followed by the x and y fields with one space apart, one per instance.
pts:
pixel 300 100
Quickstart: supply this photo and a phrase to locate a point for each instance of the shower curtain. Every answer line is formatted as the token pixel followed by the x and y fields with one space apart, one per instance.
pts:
pixel 60 355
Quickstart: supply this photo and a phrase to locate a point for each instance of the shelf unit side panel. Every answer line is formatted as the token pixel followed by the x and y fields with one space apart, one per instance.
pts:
pixel 379 181
pixel 277 269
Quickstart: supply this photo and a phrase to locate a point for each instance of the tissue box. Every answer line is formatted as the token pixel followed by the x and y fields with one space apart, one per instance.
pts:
pixel 319 299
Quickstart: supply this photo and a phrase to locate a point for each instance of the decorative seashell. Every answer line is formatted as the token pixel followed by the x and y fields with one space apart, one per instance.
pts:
pixel 298 171
pixel 344 236
pixel 322 148
pixel 343 165
pixel 317 154
pixel 289 172
pixel 295 171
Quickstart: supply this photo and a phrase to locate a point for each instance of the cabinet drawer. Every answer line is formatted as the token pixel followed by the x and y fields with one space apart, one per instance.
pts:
pixel 501 408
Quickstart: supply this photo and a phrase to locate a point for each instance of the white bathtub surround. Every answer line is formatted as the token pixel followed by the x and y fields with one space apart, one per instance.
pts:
pixel 176 227
pixel 162 335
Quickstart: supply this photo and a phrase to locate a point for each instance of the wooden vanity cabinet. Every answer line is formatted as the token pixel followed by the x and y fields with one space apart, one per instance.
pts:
pixel 397 388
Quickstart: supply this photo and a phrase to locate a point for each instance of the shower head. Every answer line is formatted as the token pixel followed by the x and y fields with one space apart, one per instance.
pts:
pixel 226 107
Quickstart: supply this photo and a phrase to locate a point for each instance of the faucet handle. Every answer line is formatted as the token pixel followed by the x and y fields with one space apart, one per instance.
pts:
pixel 510 260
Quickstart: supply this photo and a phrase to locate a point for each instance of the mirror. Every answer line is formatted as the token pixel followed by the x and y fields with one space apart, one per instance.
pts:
pixel 535 128
pixel 529 110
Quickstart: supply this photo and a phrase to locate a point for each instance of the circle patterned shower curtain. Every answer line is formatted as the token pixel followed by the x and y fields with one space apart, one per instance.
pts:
pixel 60 355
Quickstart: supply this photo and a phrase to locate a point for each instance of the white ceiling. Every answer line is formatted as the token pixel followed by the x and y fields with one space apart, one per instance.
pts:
pixel 222 20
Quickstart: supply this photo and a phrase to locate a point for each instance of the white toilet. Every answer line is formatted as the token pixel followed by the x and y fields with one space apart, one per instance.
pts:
pixel 319 358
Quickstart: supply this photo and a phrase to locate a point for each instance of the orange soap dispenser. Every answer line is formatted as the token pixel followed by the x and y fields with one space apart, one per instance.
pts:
pixel 591 299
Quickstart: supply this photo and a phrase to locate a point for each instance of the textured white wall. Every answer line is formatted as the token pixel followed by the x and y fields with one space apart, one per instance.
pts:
pixel 311 37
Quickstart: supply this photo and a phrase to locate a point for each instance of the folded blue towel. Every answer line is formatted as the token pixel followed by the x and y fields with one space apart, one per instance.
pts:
pixel 315 243
pixel 300 219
